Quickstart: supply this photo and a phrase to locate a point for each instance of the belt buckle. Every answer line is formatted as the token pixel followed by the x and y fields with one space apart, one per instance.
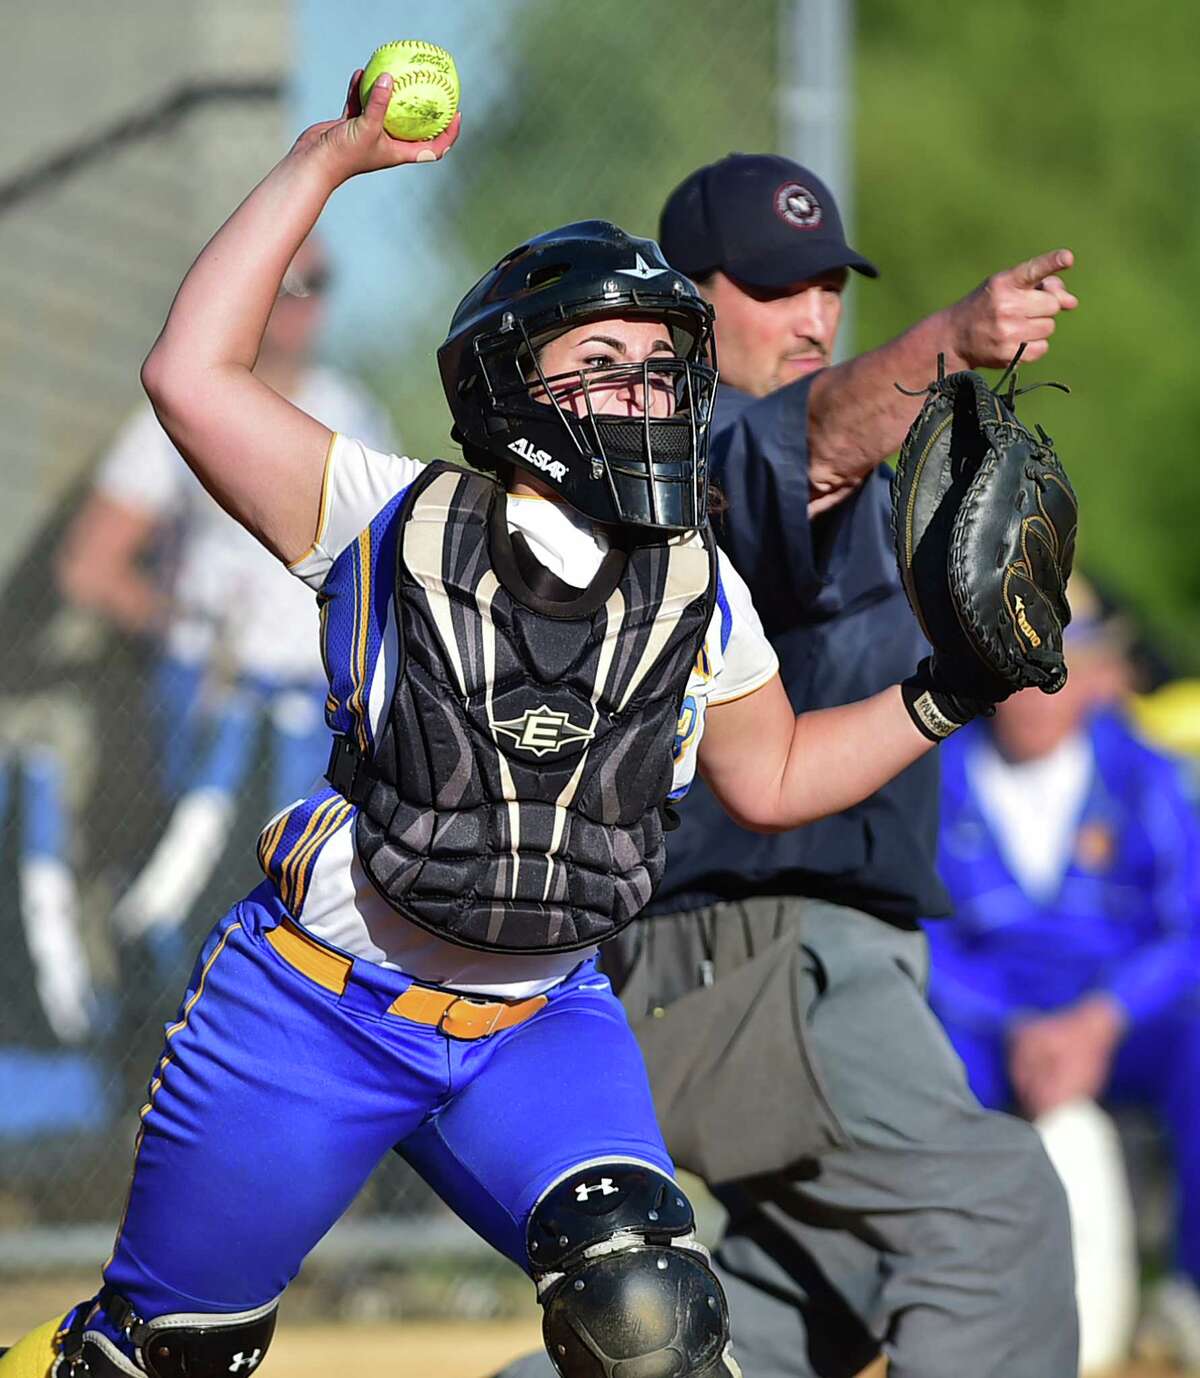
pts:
pixel 468 1018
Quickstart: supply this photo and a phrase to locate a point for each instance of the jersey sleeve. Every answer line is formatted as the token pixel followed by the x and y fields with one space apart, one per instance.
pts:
pixel 358 482
pixel 141 468
pixel 743 659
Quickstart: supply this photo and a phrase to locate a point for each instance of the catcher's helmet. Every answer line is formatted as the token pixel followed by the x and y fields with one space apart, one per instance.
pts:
pixel 647 471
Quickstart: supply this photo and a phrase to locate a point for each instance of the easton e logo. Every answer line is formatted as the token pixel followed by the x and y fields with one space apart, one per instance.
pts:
pixel 1025 625
pixel 541 730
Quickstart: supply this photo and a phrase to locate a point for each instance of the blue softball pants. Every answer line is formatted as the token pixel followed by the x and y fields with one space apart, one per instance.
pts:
pixel 275 1098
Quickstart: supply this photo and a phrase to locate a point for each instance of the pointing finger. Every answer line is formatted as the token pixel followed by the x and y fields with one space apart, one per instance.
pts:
pixel 1035 270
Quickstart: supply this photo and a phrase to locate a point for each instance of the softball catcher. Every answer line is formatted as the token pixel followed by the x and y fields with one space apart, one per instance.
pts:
pixel 526 666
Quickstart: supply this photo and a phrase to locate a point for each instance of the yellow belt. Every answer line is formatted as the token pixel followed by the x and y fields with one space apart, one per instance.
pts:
pixel 459 1016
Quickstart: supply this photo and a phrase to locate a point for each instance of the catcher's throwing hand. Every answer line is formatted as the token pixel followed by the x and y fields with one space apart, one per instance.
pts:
pixel 357 142
pixel 1014 307
pixel 984 519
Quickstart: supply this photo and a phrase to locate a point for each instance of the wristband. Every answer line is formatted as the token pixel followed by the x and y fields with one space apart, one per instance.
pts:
pixel 935 713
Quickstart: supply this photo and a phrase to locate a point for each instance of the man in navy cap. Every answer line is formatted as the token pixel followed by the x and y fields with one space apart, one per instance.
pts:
pixel 872 1202
pixel 777 984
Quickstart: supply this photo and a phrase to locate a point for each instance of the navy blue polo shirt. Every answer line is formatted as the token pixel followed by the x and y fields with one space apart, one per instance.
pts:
pixel 830 599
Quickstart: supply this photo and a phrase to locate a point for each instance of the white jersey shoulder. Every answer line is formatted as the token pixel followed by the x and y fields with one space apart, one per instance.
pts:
pixel 359 482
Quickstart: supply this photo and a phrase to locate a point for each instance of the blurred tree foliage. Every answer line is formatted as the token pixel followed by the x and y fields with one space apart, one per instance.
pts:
pixel 611 106
pixel 984 135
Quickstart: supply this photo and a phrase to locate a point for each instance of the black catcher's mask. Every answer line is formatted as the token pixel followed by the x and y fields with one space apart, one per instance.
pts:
pixel 640 470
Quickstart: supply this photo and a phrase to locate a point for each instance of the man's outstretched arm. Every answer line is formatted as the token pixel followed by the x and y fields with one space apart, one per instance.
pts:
pixel 856 416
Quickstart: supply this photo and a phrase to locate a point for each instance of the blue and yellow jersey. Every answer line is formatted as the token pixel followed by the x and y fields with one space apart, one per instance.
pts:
pixel 308 850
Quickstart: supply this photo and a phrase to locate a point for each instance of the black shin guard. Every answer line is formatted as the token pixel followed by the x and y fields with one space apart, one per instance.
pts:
pixel 625 1287
pixel 194 1345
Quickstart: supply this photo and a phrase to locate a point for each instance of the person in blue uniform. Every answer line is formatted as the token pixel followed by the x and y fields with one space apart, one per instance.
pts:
pixel 777 983
pixel 1071 969
pixel 525 672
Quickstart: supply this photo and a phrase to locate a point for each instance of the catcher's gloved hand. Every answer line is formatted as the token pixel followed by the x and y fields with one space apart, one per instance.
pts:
pixel 984 521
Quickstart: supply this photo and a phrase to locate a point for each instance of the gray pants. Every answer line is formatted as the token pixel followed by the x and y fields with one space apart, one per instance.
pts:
pixel 873 1203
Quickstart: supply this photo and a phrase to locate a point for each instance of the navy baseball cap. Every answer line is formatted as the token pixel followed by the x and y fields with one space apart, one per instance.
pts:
pixel 764 220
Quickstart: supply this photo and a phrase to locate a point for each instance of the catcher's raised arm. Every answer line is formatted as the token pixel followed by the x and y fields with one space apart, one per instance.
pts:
pixel 260 456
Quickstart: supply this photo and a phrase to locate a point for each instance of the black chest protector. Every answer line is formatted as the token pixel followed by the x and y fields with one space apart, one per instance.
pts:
pixel 514 799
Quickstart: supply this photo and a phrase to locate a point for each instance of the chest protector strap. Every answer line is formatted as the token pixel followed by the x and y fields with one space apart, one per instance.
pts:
pixel 514 799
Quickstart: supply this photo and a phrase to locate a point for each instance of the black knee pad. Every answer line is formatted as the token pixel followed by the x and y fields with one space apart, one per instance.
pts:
pixel 626 1290
pixel 192 1345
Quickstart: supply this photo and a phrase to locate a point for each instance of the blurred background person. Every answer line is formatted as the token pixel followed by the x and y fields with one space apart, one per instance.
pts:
pixel 238 641
pixel 52 1015
pixel 1070 972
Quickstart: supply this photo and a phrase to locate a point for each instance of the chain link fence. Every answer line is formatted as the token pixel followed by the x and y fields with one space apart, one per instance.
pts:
pixel 573 116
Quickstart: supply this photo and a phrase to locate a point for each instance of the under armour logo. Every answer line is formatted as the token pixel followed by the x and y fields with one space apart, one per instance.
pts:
pixel 249 1361
pixel 604 1186
pixel 542 730
pixel 641 269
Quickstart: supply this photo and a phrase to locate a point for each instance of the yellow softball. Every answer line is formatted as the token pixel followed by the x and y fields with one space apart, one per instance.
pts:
pixel 424 90
pixel 35 1354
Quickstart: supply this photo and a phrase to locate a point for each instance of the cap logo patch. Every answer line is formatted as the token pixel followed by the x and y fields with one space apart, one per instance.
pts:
pixel 798 207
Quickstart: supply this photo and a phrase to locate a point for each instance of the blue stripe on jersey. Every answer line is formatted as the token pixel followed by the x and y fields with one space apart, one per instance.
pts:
pixel 354 599
pixel 726 612
pixel 354 606
pixel 288 848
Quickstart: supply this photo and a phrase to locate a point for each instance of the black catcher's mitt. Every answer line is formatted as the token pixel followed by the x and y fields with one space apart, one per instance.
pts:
pixel 984 521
